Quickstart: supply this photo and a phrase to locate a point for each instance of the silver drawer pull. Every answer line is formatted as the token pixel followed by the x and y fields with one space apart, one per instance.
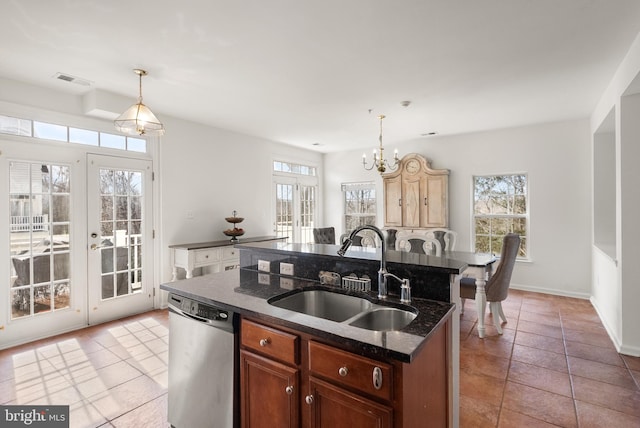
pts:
pixel 265 342
pixel 343 371
pixel 309 399
pixel 377 377
pixel 289 390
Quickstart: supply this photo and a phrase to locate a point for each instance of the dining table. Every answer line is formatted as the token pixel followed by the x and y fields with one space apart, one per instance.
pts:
pixel 479 266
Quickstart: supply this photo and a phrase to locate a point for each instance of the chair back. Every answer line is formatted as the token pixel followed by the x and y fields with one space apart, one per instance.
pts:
pixel 364 238
pixel 418 243
pixel 497 287
pixel 324 235
pixel 447 237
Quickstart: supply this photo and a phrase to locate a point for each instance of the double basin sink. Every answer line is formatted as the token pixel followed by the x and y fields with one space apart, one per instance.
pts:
pixel 343 308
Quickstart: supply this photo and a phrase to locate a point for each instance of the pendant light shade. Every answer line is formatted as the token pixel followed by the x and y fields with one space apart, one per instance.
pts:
pixel 138 119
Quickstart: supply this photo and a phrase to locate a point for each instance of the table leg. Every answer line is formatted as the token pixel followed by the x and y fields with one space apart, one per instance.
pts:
pixel 174 273
pixel 481 303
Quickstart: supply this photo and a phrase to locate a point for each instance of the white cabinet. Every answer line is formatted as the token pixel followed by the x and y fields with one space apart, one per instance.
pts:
pixel 216 258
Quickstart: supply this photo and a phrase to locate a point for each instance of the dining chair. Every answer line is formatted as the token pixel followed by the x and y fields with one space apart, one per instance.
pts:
pixel 497 287
pixel 364 238
pixel 418 242
pixel 447 237
pixel 324 235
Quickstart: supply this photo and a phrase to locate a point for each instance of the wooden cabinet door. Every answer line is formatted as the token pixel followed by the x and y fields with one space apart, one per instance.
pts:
pixel 269 393
pixel 332 407
pixel 433 201
pixel 393 201
pixel 411 201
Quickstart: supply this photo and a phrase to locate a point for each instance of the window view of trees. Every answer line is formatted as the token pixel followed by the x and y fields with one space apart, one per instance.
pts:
pixel 359 205
pixel 500 207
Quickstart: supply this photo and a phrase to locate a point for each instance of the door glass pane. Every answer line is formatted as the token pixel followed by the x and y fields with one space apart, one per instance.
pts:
pixel 307 213
pixel 121 228
pixel 39 229
pixel 284 211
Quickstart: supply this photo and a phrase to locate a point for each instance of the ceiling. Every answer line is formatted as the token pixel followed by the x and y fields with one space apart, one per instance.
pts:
pixel 317 74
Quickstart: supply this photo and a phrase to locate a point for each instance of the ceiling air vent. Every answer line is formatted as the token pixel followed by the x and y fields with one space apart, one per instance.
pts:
pixel 69 78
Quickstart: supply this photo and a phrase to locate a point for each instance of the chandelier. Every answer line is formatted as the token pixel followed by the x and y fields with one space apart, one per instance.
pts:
pixel 380 163
pixel 138 119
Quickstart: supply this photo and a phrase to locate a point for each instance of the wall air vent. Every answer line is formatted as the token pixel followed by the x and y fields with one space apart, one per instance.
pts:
pixel 69 78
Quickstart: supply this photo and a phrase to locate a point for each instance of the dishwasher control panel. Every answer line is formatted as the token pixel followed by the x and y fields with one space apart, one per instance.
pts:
pixel 201 310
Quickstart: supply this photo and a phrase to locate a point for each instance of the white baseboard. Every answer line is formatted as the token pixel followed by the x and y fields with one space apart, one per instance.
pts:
pixel 633 351
pixel 554 291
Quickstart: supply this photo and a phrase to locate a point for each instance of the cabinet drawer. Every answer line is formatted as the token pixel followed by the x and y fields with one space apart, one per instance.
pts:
pixel 271 342
pixel 230 253
pixel 205 257
pixel 354 371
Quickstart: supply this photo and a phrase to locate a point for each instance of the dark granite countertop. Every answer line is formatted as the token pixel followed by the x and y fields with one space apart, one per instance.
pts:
pixel 222 243
pixel 246 292
pixel 436 264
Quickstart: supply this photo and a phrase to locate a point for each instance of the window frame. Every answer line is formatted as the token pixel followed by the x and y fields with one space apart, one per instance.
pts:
pixel 345 187
pixel 525 238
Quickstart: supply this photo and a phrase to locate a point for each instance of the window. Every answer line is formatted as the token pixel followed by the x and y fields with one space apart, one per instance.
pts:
pixel 359 205
pixel 293 168
pixel 500 206
pixel 50 131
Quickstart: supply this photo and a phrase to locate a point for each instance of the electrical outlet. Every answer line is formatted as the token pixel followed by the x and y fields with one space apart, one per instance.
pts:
pixel 286 283
pixel 264 265
pixel 286 269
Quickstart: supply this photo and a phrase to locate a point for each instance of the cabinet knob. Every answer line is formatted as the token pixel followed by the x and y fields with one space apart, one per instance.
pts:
pixel 289 390
pixel 343 371
pixel 425 200
pixel 308 399
pixel 265 342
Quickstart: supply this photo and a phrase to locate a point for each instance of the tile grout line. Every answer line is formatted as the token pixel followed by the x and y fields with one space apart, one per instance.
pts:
pixel 566 356
pixel 506 379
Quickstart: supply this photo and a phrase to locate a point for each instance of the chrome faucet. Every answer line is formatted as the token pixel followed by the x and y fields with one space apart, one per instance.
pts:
pixel 382 273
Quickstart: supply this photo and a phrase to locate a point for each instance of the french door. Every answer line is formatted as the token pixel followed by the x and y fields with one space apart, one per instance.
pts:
pixel 120 246
pixel 295 211
pixel 52 199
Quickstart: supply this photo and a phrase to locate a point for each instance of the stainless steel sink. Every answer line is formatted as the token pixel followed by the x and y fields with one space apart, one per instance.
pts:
pixel 355 311
pixel 384 319
pixel 324 304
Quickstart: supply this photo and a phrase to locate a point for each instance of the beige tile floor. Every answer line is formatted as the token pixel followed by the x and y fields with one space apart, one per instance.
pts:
pixel 553 366
pixel 111 375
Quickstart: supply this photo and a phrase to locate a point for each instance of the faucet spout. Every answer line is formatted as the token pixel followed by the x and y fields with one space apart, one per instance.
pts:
pixel 345 246
pixel 382 277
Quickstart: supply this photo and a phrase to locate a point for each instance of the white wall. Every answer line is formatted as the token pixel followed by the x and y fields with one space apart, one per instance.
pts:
pixel 556 157
pixel 208 173
pixel 615 291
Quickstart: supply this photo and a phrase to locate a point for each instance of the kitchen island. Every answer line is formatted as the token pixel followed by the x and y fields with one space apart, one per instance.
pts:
pixel 307 371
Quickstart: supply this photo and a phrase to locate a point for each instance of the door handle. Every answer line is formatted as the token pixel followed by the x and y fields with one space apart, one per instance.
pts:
pixel 95 246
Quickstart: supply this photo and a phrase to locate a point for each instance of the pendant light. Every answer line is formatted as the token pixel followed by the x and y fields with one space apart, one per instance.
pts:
pixel 138 119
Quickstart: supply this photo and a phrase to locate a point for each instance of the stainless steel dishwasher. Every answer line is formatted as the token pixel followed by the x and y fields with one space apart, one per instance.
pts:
pixel 203 368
